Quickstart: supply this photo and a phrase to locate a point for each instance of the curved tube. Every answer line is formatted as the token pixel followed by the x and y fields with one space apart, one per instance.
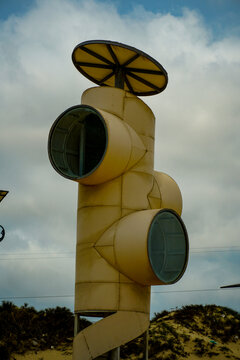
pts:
pixel 109 333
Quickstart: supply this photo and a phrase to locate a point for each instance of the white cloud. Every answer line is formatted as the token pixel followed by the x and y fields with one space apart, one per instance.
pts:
pixel 197 122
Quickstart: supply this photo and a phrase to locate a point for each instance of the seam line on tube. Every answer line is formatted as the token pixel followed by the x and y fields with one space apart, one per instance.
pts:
pixel 114 253
pixel 150 193
pixel 132 167
pixel 109 282
pixel 114 206
pixel 160 195
pixel 112 313
pixel 86 343
pixel 118 284
pixel 121 200
pixel 98 282
pixel 93 206
pixel 126 167
pixel 129 134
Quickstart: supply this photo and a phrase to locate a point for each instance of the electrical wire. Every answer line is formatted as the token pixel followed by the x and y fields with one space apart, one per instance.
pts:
pixel 40 258
pixel 10 256
pixel 35 297
pixel 215 249
pixel 183 291
pixel 71 296
pixel 22 256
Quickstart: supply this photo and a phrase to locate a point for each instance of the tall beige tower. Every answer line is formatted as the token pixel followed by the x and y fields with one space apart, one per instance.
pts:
pixel 129 231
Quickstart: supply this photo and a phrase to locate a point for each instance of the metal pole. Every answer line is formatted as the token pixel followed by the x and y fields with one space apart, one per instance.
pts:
pixel 76 324
pixel 145 345
pixel 119 78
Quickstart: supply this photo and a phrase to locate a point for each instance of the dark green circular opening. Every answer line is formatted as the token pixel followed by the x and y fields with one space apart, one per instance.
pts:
pixel 77 142
pixel 168 246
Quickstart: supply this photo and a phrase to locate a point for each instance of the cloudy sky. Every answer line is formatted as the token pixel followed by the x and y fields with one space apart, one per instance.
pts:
pixel 197 137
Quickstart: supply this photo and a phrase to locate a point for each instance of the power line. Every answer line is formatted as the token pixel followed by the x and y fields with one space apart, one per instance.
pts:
pixel 215 249
pixel 39 252
pixel 183 291
pixel 35 297
pixel 40 258
pixel 71 296
pixel 10 256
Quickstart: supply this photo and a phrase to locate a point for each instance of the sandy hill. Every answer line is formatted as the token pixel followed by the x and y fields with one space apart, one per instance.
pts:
pixel 193 332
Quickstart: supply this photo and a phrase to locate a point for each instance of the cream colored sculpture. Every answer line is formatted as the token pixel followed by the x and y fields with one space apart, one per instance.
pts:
pixel 115 211
pixel 129 231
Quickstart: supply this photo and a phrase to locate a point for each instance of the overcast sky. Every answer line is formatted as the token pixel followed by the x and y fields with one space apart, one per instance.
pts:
pixel 197 137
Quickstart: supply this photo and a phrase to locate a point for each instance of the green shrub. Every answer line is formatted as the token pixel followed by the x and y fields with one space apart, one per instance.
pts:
pixel 24 328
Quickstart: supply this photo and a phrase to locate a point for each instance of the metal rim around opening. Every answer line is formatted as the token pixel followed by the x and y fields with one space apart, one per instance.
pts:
pixel 77 142
pixel 168 246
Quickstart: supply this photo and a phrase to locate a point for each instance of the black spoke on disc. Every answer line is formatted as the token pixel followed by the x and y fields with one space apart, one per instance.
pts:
pixel 115 59
pixel 128 84
pixel 100 66
pixel 145 82
pixel 144 71
pixel 106 77
pixel 96 55
pixel 129 61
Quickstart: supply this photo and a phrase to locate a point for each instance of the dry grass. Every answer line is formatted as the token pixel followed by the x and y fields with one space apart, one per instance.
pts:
pixel 232 352
pixel 45 355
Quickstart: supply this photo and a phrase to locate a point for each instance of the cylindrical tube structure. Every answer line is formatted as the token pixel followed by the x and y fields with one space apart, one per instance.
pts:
pixel 84 145
pixel 150 247
pixel 129 231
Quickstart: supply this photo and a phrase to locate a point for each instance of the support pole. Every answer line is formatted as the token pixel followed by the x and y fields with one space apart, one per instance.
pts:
pixel 76 324
pixel 145 345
